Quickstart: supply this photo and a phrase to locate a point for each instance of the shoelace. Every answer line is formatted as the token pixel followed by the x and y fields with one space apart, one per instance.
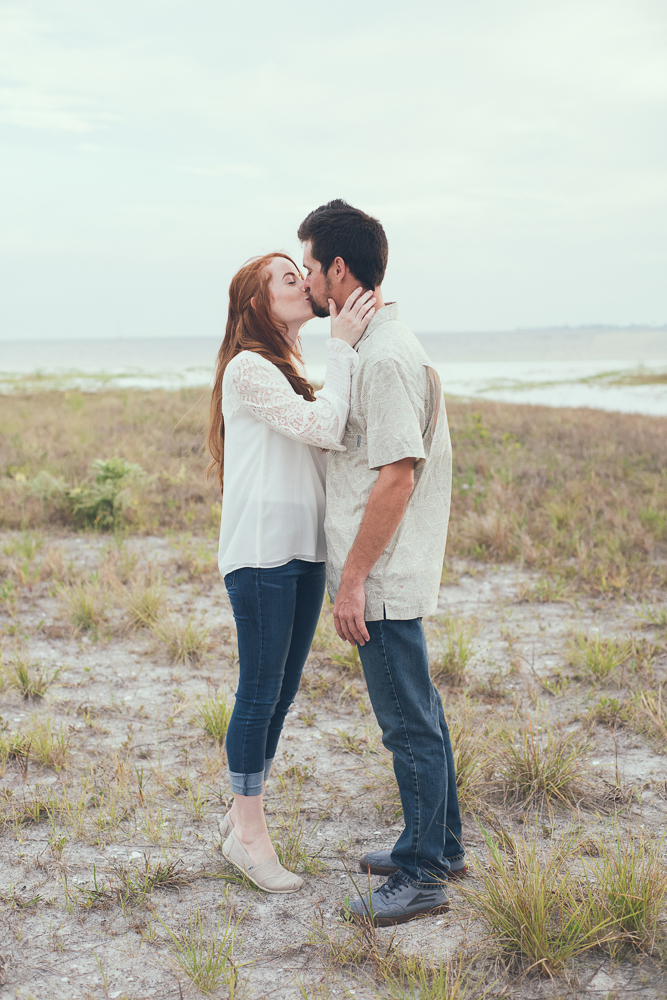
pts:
pixel 391 886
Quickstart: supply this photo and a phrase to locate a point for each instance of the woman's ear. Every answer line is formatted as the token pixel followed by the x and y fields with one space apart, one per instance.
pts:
pixel 252 302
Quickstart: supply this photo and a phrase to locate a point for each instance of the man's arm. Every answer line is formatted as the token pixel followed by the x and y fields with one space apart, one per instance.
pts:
pixel 384 510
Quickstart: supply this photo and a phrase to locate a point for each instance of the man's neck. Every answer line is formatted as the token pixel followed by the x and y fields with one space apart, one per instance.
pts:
pixel 348 287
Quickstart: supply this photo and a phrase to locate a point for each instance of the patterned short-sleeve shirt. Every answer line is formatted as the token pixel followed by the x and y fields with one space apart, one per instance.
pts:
pixel 396 411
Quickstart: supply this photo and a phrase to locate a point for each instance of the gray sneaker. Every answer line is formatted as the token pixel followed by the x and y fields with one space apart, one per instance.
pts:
pixel 395 902
pixel 380 863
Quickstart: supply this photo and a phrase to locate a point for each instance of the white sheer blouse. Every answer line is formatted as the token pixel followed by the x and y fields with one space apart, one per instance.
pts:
pixel 274 466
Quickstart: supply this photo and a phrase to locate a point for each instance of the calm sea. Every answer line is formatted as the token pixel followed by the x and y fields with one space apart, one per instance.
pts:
pixel 549 367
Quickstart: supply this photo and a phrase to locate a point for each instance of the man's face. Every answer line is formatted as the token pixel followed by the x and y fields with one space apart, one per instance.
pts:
pixel 316 286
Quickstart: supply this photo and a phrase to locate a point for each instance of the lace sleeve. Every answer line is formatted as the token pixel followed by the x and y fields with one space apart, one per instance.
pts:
pixel 265 392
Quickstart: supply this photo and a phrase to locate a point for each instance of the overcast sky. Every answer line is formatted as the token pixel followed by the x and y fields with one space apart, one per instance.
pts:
pixel 515 151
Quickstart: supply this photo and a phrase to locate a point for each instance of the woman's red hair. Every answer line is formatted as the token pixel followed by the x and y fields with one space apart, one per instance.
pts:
pixel 251 327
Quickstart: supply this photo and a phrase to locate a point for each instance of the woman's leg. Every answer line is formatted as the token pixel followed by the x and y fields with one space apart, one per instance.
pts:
pixel 264 605
pixel 310 588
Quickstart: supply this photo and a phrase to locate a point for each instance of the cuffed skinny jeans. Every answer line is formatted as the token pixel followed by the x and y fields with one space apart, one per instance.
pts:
pixel 409 711
pixel 276 612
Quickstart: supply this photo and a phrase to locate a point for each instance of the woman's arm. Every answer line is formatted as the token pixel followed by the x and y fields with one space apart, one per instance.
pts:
pixel 263 390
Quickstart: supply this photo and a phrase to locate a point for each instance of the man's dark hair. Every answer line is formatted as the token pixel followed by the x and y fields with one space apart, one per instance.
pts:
pixel 339 230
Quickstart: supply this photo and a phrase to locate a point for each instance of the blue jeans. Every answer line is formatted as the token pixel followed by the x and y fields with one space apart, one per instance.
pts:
pixel 276 612
pixel 409 711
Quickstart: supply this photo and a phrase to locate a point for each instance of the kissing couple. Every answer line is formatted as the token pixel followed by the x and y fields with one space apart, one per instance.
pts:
pixel 349 489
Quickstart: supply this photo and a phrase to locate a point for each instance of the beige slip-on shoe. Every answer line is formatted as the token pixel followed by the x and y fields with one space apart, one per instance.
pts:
pixel 269 875
pixel 225 826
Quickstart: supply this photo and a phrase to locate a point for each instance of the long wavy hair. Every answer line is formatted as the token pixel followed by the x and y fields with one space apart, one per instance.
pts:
pixel 251 327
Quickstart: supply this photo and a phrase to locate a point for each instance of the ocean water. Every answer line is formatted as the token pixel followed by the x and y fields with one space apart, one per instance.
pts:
pixel 547 368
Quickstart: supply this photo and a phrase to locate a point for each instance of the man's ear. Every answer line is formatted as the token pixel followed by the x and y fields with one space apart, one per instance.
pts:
pixel 338 270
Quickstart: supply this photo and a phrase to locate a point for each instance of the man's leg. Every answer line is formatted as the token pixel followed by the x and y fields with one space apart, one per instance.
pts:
pixel 454 851
pixel 409 711
pixel 380 862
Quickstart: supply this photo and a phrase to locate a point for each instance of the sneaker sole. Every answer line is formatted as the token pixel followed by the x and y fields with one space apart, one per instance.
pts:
pixel 378 870
pixel 358 918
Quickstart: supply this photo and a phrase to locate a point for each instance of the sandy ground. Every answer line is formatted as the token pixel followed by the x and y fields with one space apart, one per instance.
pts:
pixel 127 711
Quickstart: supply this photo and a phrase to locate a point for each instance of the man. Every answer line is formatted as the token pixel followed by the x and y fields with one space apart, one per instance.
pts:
pixel 388 501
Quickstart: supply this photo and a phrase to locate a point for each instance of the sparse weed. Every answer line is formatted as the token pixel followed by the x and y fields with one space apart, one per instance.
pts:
pixel 118 563
pixel 415 978
pixel 349 661
pixel 649 714
pixel 145 603
pixel 206 955
pixel 640 658
pixel 289 835
pixel 547 590
pixel 15 746
pixel 489 535
pixel 212 714
pixel 195 559
pixel 27 681
pixel 471 746
pixel 531 907
pixel 384 786
pixel 352 943
pixel 537 771
pixel 595 656
pixel 609 712
pixel 25 546
pixel 651 616
pixel 43 741
pixel 130 884
pixel 86 604
pixel 366 742
pixel 630 885
pixel 326 638
pixel 458 650
pixel 186 642
pixel 557 684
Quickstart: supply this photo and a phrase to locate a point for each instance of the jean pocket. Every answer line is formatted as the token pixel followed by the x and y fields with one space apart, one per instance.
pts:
pixel 229 579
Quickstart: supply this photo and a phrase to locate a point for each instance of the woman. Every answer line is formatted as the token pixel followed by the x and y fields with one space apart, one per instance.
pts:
pixel 273 429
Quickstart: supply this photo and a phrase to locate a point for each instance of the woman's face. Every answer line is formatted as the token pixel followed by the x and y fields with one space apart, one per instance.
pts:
pixel 289 303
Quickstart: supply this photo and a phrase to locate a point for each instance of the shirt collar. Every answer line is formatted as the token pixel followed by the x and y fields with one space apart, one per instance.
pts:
pixel 388 312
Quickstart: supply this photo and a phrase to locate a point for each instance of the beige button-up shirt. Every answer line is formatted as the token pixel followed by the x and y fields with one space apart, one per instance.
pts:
pixel 396 411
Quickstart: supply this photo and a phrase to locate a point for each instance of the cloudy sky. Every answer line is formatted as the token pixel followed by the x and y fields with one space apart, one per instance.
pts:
pixel 515 151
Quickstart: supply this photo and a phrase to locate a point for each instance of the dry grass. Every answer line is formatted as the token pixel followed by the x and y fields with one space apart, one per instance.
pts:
pixel 458 650
pixel 597 657
pixel 144 602
pixel 538 769
pixel 648 711
pixel 576 496
pixel 30 680
pixel 533 909
pixel 212 714
pixel 186 641
pixel 578 493
pixel 411 977
pixel 206 953
pixel 86 604
pixel 39 740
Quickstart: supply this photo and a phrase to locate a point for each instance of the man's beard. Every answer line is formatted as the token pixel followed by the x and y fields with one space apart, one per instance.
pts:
pixel 321 311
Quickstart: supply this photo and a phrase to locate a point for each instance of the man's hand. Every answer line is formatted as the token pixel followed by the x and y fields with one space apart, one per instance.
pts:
pixel 348 613
pixel 384 510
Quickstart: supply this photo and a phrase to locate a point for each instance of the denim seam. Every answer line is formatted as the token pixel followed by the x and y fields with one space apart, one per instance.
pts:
pixel 261 655
pixel 415 780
